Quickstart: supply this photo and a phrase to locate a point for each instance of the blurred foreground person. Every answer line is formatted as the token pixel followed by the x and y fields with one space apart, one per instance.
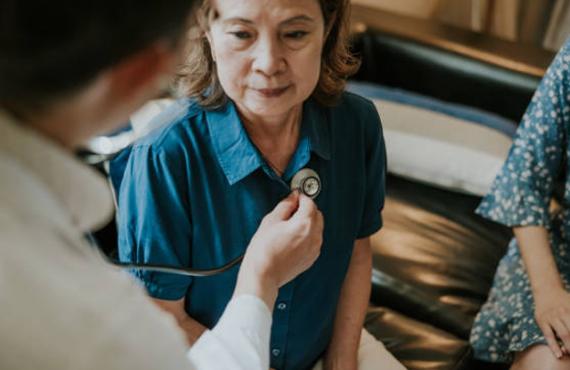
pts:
pixel 526 319
pixel 68 71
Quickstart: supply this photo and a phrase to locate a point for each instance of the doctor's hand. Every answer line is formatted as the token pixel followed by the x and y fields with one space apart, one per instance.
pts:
pixel 287 242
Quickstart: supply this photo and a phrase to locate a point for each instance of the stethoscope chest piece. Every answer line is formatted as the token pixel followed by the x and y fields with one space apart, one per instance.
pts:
pixel 308 182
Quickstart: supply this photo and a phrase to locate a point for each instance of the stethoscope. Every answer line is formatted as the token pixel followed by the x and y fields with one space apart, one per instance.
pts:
pixel 306 181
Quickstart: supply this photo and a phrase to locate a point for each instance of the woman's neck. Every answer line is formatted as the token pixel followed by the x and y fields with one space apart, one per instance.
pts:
pixel 273 130
pixel 276 137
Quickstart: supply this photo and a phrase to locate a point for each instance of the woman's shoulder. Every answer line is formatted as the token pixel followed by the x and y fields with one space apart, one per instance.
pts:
pixel 565 49
pixel 171 125
pixel 355 106
pixel 350 100
pixel 359 111
pixel 559 71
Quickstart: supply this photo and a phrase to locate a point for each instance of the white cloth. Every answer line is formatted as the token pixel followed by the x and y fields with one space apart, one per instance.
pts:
pixel 62 307
pixel 372 355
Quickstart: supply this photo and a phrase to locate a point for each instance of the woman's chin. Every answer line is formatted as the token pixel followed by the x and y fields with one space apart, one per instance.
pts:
pixel 266 107
pixel 260 105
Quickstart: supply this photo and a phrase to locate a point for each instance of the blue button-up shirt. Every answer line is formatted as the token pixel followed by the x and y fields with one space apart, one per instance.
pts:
pixel 194 193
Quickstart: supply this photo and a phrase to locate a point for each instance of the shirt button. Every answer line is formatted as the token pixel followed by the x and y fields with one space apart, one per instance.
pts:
pixel 281 306
pixel 275 352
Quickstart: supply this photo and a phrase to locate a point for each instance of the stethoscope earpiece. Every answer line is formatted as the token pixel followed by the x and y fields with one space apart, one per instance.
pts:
pixel 308 182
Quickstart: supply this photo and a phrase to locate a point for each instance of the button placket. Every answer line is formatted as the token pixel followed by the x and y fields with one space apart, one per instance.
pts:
pixel 281 325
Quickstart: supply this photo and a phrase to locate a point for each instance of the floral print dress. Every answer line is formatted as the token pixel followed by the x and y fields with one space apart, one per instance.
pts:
pixel 520 196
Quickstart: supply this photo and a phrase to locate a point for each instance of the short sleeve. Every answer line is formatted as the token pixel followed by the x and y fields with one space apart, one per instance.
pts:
pixel 375 172
pixel 154 221
pixel 520 194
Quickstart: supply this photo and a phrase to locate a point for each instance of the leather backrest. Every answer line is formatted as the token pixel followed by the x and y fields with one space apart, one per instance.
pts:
pixel 400 62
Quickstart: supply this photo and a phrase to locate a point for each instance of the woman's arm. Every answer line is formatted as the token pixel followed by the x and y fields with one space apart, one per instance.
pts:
pixel 342 352
pixel 192 328
pixel 552 301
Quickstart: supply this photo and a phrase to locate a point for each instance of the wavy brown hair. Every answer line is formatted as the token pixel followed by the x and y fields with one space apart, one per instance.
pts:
pixel 198 77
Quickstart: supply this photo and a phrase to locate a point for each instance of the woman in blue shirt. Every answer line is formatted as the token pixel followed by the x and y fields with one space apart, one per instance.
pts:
pixel 526 319
pixel 265 101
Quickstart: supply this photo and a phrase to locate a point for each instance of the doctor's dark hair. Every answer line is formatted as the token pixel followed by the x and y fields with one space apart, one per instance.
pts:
pixel 50 49
pixel 198 78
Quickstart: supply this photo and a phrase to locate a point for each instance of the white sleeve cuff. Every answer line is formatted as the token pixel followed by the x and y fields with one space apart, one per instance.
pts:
pixel 240 340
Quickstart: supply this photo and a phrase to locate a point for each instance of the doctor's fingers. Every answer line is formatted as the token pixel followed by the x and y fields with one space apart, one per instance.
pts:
pixel 315 229
pixel 285 208
pixel 307 207
pixel 308 224
pixel 320 220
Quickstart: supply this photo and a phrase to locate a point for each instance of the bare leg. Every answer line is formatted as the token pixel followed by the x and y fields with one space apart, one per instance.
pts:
pixel 372 355
pixel 539 357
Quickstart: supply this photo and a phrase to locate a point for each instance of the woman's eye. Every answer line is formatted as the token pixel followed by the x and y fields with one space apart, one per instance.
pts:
pixel 296 35
pixel 242 35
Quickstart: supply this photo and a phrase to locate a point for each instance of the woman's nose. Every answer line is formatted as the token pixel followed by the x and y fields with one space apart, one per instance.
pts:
pixel 269 58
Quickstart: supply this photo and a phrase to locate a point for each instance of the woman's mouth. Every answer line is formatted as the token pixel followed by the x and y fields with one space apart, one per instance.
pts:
pixel 272 93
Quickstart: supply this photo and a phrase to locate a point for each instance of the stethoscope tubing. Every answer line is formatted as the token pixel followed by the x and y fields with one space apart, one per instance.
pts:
pixel 186 271
pixel 299 182
pixel 178 270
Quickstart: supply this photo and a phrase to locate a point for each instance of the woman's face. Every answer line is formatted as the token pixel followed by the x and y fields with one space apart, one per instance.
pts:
pixel 267 52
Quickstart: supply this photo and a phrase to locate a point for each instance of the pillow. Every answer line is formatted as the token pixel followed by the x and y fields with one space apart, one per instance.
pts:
pixel 439 143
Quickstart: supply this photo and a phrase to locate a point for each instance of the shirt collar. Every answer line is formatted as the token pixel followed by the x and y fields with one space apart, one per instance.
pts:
pixel 80 190
pixel 236 154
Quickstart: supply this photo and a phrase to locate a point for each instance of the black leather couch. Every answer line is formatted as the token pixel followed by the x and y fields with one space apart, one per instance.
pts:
pixel 434 259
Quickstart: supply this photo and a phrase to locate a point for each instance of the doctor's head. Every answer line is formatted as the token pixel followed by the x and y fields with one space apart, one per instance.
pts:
pixel 269 55
pixel 113 53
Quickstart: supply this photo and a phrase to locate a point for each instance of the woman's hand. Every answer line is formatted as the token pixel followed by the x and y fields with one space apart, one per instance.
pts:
pixel 552 313
pixel 552 302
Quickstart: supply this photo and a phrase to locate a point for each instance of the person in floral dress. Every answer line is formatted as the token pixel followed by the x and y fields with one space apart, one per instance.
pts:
pixel 526 319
